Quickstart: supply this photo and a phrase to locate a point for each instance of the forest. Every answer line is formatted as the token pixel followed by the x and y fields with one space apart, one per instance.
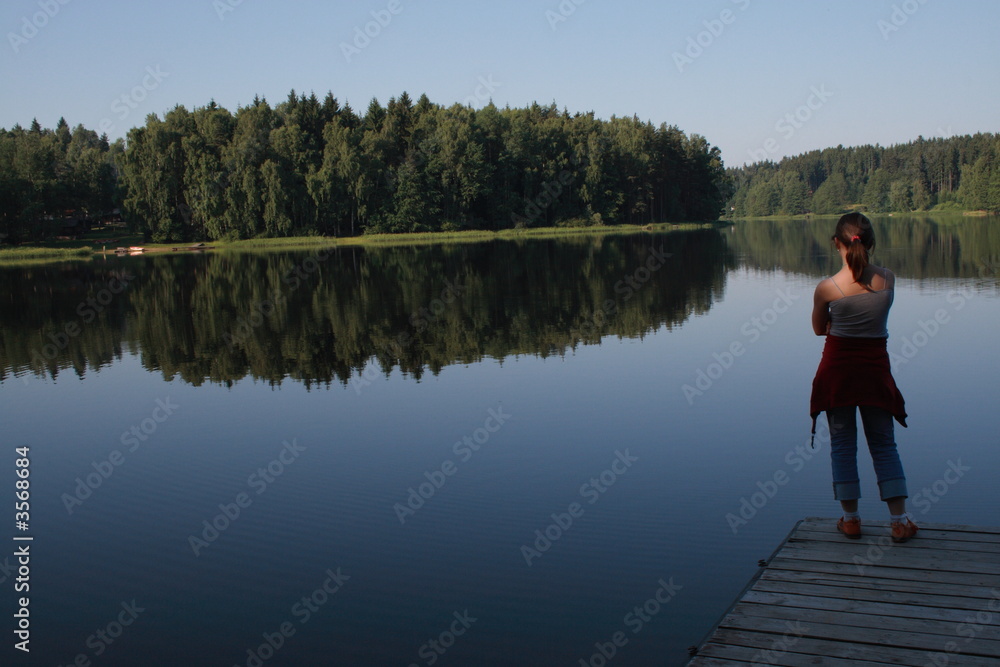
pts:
pixel 959 173
pixel 312 167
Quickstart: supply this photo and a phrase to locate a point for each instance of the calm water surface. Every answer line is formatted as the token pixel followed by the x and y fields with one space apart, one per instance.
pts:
pixel 486 454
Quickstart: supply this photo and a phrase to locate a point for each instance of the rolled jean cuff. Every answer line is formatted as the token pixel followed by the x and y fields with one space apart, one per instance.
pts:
pixel 847 490
pixel 892 488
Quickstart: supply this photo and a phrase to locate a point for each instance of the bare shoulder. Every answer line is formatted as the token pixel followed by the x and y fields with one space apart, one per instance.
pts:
pixel 882 278
pixel 826 291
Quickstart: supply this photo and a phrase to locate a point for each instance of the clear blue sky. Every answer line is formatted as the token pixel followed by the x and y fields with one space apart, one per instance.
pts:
pixel 873 71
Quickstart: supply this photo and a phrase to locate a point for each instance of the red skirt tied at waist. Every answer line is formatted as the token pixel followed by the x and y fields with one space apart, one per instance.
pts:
pixel 854 372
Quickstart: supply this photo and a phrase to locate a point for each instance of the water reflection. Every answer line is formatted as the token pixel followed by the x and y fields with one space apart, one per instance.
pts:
pixel 327 317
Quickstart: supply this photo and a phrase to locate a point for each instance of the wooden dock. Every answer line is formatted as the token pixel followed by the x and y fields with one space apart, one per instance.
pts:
pixel 822 599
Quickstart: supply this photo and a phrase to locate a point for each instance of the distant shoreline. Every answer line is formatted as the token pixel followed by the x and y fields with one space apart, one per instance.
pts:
pixel 84 249
pixel 940 213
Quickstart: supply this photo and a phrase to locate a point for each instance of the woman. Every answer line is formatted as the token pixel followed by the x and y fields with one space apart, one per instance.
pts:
pixel 851 309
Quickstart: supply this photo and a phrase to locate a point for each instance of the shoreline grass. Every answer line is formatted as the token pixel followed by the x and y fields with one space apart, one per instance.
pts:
pixel 57 251
pixel 944 213
pixel 479 235
pixel 39 254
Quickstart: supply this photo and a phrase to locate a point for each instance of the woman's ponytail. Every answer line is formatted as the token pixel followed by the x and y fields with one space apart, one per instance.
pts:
pixel 854 231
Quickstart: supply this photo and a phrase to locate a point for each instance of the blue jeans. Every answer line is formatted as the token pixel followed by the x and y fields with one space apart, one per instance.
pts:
pixel 881 443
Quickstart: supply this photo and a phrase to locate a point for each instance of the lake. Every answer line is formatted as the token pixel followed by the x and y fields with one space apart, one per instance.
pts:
pixel 520 452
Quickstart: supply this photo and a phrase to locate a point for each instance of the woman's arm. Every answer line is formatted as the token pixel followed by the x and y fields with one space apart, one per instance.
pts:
pixel 821 311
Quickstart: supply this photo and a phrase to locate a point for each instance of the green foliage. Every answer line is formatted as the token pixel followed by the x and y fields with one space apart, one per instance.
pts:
pixel 310 167
pixel 981 181
pixel 905 177
pixel 46 174
pixel 921 197
pixel 900 197
pixel 832 196
pixel 876 196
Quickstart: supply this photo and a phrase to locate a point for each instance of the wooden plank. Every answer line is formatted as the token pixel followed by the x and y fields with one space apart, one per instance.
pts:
pixel 882 609
pixel 699 661
pixel 908 585
pixel 858 635
pixel 988 636
pixel 934 561
pixel 968 605
pixel 819 650
pixel 729 654
pixel 843 650
pixel 826 600
pixel 902 574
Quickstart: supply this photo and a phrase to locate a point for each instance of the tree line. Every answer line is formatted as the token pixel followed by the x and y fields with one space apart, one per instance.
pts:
pixel 307 166
pixel 46 173
pixel 961 172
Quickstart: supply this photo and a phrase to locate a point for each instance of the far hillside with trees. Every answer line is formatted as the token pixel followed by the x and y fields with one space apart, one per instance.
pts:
pixel 309 166
pixel 959 173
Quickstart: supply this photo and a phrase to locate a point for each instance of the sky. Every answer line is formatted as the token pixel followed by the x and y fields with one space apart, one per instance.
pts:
pixel 760 79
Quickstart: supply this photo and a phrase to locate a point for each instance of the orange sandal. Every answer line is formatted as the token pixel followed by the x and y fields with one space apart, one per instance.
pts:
pixel 851 528
pixel 902 531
